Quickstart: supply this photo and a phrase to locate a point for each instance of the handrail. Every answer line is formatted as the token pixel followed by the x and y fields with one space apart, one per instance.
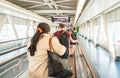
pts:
pixel 92 69
pixel 21 72
pixel 77 63
pixel 7 70
pixel 20 60
pixel 12 58
pixel 75 66
pixel 14 40
pixel 13 49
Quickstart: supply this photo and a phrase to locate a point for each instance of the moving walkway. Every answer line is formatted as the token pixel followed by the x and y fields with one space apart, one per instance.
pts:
pixel 13 57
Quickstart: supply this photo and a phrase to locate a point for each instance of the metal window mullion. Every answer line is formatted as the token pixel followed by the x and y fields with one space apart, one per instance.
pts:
pixel 94 36
pixel 3 18
pixel 32 24
pixel 108 37
pixel 88 31
pixel 28 25
pixel 91 30
pixel 98 32
pixel 12 23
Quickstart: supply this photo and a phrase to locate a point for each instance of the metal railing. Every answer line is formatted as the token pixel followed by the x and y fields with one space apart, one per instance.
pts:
pixel 11 67
pixel 6 45
pixel 11 50
pixel 14 40
pixel 84 68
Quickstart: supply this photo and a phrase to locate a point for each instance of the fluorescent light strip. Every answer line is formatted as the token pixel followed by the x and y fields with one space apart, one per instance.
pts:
pixel 79 8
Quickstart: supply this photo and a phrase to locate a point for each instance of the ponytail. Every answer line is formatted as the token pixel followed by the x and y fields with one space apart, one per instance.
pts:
pixel 34 41
pixel 42 28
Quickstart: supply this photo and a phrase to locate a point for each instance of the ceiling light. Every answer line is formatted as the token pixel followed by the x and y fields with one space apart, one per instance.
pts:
pixel 79 8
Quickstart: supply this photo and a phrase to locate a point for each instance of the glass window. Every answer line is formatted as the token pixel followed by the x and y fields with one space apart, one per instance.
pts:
pixel 96 24
pixel 114 24
pixel 7 33
pixel 31 31
pixel 21 30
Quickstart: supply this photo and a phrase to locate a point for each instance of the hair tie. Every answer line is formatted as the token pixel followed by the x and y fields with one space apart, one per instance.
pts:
pixel 39 30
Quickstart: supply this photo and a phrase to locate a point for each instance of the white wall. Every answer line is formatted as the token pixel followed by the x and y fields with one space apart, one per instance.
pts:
pixel 97 7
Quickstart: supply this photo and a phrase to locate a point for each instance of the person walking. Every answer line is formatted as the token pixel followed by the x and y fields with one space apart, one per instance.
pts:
pixel 37 51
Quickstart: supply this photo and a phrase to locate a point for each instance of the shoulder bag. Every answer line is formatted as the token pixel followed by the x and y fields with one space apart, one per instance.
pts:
pixel 57 67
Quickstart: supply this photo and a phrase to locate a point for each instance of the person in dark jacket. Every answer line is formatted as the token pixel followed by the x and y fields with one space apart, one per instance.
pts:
pixel 62 33
pixel 72 44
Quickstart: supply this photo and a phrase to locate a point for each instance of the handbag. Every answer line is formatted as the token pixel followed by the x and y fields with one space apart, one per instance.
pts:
pixel 57 67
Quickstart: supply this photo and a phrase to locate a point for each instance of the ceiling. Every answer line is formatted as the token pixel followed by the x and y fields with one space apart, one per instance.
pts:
pixel 48 8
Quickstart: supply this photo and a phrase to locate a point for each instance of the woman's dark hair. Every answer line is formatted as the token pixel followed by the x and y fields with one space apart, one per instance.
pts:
pixel 61 25
pixel 41 28
pixel 74 28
